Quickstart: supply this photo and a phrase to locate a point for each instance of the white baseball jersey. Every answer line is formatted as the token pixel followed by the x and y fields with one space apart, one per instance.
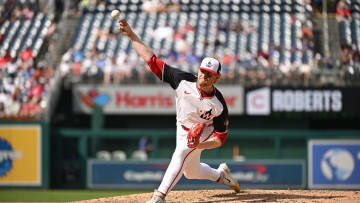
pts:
pixel 192 104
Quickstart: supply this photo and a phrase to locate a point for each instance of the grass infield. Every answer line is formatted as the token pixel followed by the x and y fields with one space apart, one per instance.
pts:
pixel 33 195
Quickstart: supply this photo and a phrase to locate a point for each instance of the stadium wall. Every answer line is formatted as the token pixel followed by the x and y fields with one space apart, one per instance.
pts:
pixel 273 133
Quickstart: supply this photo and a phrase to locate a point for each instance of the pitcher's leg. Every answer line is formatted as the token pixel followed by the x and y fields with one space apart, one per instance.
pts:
pixel 196 170
pixel 175 169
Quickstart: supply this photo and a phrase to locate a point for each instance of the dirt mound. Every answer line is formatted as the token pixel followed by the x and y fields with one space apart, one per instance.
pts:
pixel 212 196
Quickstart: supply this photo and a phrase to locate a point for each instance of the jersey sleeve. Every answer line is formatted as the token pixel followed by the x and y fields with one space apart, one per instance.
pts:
pixel 221 122
pixel 156 65
pixel 168 74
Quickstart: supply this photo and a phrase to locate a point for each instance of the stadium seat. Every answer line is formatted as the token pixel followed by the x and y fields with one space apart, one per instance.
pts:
pixel 139 155
pixel 103 155
pixel 118 155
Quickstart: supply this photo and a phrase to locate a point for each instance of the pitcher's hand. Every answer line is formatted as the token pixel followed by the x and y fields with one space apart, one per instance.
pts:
pixel 125 28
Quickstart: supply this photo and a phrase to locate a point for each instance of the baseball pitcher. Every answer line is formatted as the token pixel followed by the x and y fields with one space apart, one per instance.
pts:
pixel 201 114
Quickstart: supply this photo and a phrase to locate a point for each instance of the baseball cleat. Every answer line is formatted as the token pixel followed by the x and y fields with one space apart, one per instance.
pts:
pixel 226 179
pixel 157 197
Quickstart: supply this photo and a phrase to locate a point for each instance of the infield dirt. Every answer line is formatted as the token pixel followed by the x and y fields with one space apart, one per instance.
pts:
pixel 228 196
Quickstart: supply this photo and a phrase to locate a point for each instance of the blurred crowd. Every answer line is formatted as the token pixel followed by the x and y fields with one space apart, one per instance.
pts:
pixel 350 52
pixel 16 10
pixel 249 68
pixel 24 80
pixel 94 66
pixel 24 87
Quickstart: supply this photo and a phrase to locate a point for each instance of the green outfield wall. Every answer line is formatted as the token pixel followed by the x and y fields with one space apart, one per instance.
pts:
pixel 248 144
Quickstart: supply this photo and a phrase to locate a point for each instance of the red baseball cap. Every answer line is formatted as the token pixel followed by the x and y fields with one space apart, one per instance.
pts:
pixel 210 64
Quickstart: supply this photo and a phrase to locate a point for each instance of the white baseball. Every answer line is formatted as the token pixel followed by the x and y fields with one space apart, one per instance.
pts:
pixel 115 14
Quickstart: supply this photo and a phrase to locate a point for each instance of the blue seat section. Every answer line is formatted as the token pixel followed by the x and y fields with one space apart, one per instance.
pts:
pixel 90 30
pixel 16 33
pixel 27 35
pixel 39 30
pixel 263 23
pixel 6 27
pixel 21 33
pixel 77 30
pixel 349 28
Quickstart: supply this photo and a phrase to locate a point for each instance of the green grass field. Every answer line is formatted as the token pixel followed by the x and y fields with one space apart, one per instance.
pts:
pixel 17 195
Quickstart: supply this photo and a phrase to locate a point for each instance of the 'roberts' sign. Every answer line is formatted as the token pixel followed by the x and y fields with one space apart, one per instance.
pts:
pixel 265 101
pixel 306 100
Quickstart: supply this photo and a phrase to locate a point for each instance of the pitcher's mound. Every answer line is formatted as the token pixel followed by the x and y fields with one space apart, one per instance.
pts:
pixel 214 196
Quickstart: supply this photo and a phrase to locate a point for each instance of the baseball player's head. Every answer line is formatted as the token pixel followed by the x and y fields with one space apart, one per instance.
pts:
pixel 209 72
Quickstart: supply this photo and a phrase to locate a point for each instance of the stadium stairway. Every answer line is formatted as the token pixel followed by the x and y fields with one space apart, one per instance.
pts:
pixel 68 26
pixel 64 36
pixel 334 40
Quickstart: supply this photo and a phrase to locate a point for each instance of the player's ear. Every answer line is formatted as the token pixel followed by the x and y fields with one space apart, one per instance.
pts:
pixel 217 78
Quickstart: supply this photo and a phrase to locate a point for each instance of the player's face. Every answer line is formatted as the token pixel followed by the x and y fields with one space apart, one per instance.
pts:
pixel 206 78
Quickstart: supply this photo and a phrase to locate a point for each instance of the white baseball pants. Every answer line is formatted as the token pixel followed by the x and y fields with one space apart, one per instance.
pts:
pixel 187 160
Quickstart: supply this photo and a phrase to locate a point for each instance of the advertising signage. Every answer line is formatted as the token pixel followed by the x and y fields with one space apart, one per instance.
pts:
pixel 334 164
pixel 142 99
pixel 145 175
pixel 20 155
pixel 261 101
pixel 265 101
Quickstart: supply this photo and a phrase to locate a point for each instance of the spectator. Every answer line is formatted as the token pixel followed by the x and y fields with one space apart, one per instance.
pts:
pixel 108 70
pixel 26 54
pixel 88 62
pixel 193 59
pixel 16 14
pixel 163 32
pixel 5 58
pixel 236 26
pixel 122 70
pixel 101 62
pixel 35 107
pixel 12 106
pixel 27 13
pixel 346 55
pixel 25 108
pixel 2 110
pixel 222 27
pixel 151 6
pixel 218 43
pixel 181 46
pixel 306 33
pixel 226 60
pixel 65 64
pixel 135 66
pixel 145 145
pixel 356 59
pixel 36 90
pixel 183 31
pixel 342 11
pixel 77 54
